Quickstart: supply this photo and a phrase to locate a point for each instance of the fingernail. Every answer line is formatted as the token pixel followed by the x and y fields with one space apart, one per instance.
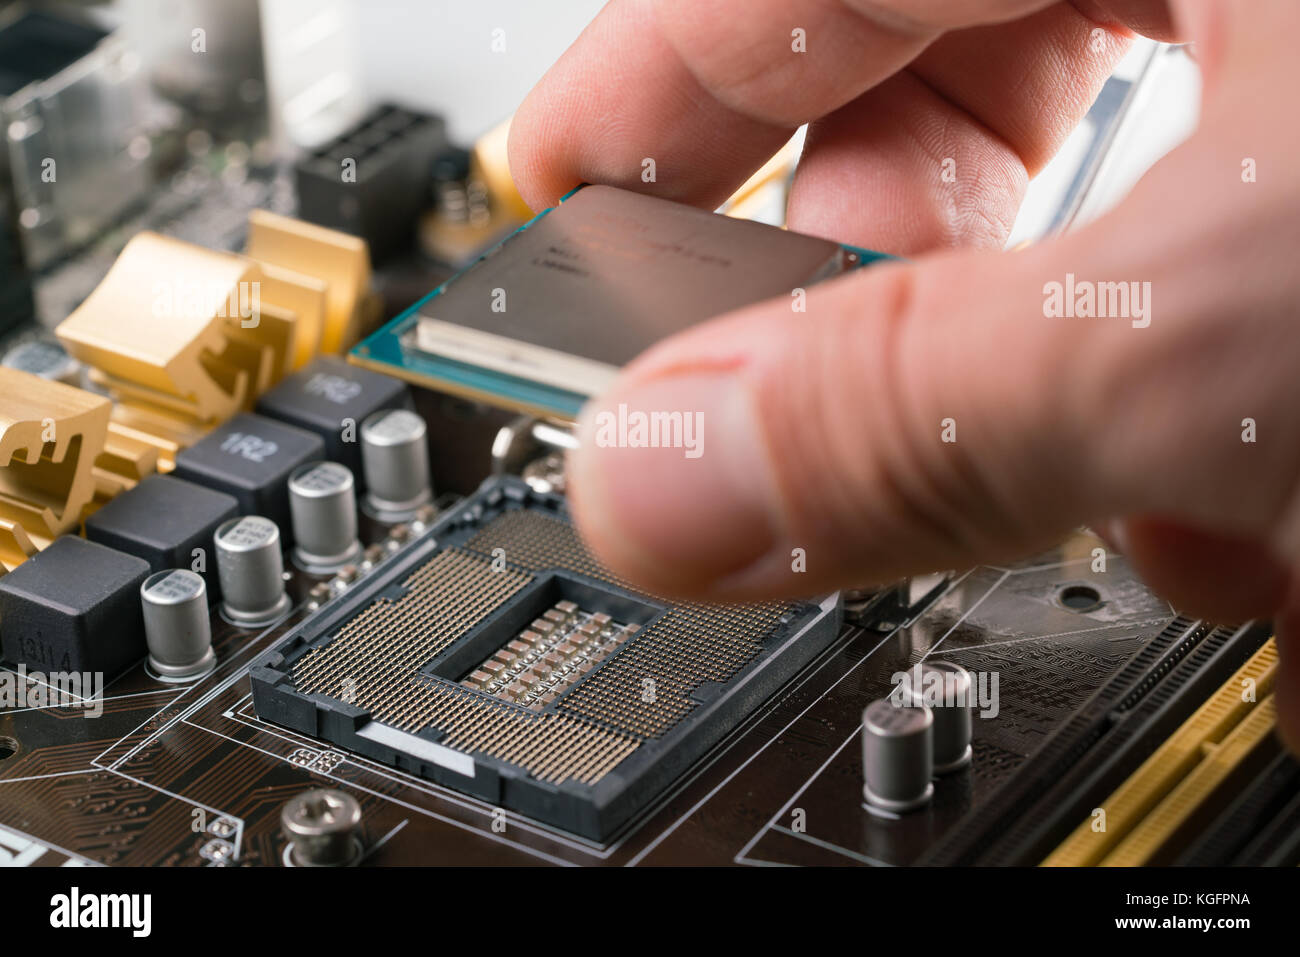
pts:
pixel 673 484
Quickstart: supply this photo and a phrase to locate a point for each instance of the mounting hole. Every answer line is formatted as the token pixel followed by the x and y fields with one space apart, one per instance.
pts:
pixel 1079 598
pixel 8 747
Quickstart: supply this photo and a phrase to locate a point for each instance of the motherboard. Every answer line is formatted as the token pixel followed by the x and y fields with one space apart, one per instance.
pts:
pixel 290 578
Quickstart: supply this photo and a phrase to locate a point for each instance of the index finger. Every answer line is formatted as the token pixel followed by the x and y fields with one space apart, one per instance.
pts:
pixel 708 91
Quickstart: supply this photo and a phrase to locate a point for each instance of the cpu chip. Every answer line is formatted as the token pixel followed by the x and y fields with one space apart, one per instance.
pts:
pixel 546 319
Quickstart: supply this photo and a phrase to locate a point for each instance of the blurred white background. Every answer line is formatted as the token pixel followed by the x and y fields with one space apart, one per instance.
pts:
pixel 329 59
pixel 474 60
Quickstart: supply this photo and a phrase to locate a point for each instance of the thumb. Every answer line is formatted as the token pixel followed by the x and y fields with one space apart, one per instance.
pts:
pixel 934 414
pixel 907 421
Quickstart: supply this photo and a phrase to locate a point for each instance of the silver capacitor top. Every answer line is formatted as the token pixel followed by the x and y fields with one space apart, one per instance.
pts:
pixel 395 458
pixel 323 508
pixel 897 756
pixel 176 624
pixel 250 567
pixel 946 689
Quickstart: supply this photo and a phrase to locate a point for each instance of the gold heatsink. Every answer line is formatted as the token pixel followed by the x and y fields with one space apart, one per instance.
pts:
pixel 183 337
pixel 180 338
pixel 127 458
pixel 293 252
pixel 164 328
pixel 50 437
pixel 16 546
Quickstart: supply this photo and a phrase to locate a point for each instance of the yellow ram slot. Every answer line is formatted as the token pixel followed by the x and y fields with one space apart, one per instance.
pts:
pixel 1164 823
pixel 1185 750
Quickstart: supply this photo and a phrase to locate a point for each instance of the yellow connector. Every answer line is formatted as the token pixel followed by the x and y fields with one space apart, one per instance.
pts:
pixel 1180 806
pixel 1140 813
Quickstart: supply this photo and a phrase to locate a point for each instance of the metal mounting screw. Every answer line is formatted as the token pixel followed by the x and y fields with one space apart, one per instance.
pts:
pixel 322 826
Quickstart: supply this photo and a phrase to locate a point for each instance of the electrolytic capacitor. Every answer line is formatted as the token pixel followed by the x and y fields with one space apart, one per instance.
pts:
pixel 946 689
pixel 323 507
pixel 395 458
pixel 250 567
pixel 897 756
pixel 177 629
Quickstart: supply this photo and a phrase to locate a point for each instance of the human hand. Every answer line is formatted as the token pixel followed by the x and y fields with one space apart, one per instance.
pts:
pixel 825 429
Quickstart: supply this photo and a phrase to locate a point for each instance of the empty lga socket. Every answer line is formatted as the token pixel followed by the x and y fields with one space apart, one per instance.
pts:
pixel 495 655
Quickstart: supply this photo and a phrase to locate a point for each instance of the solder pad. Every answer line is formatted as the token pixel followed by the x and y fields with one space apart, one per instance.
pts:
pixel 598 697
